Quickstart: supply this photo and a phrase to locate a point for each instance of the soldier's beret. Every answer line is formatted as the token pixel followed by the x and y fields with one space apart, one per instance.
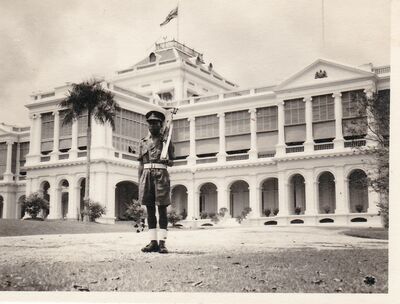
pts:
pixel 155 115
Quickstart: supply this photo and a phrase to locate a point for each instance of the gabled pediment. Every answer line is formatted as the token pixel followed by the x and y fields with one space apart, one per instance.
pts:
pixel 323 72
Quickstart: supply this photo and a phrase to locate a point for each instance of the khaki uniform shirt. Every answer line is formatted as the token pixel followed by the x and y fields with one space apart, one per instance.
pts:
pixel 154 184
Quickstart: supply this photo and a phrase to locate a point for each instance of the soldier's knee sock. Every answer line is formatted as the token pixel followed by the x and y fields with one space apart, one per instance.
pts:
pixel 153 234
pixel 151 217
pixel 163 234
pixel 162 217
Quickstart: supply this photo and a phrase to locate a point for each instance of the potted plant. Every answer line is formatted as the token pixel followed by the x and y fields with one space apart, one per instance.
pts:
pixel 267 212
pixel 203 215
pixel 276 211
pixel 297 210
pixel 359 208
pixel 327 208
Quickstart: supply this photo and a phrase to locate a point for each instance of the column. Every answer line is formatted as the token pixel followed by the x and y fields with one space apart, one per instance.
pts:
pixel 222 145
pixel 371 137
pixel 99 131
pixel 56 136
pixel 17 165
pixel 281 146
pixel 34 139
pixel 110 211
pixel 309 143
pixel 254 197
pixel 283 191
pixel 222 196
pixel 191 201
pixel 338 141
pixel 54 200
pixel 73 153
pixel 196 204
pixel 342 206
pixel 8 175
pixel 311 208
pixel 73 201
pixel 9 200
pixel 192 154
pixel 253 153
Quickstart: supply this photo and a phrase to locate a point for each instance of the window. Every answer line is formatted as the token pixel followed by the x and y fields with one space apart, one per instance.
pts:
pixel 65 134
pixel 23 151
pixel 350 104
pixel 294 111
pixel 82 128
pixel 267 119
pixel 207 126
pixel 47 133
pixel 152 57
pixel 166 96
pixel 323 108
pixel 130 128
pixel 3 158
pixel 181 130
pixel 237 123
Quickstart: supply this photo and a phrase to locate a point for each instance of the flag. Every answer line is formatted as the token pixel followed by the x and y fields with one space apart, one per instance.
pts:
pixel 172 14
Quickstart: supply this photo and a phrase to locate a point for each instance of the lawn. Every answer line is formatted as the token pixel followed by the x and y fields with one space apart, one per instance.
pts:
pixel 23 227
pixel 368 233
pixel 305 271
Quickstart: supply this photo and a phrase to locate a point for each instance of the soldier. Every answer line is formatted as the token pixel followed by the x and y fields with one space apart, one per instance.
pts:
pixel 154 183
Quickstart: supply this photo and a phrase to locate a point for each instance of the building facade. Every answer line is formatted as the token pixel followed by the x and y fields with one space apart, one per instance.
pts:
pixel 285 150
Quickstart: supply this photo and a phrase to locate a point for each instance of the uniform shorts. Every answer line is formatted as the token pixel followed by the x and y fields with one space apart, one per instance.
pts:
pixel 154 187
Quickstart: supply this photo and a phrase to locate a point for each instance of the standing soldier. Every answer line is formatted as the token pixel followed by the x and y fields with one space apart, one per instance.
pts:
pixel 154 183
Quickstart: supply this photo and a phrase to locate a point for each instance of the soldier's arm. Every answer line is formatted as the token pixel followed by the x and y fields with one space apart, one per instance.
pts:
pixel 140 159
pixel 171 154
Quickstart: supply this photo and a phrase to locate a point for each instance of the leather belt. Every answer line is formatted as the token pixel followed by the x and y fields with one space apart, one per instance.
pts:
pixel 154 166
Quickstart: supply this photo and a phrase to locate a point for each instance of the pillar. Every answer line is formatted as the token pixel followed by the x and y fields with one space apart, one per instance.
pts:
pixel 311 185
pixel 56 136
pixel 283 192
pixel 17 165
pixel 253 153
pixel 309 143
pixel 338 141
pixel 222 145
pixel 73 201
pixel 192 154
pixel 34 139
pixel 281 146
pixel 222 196
pixel 55 198
pixel 341 186
pixel 191 201
pixel 254 197
pixel 8 175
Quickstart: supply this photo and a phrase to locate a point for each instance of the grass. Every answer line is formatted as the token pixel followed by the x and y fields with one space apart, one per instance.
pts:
pixel 302 271
pixel 368 233
pixel 21 227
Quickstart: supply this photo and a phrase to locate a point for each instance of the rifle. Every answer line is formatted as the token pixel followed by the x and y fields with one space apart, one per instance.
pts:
pixel 167 131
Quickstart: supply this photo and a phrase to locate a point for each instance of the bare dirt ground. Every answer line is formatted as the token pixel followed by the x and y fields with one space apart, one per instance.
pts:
pixel 243 259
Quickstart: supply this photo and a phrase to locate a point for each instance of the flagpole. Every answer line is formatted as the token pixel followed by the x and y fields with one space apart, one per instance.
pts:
pixel 177 24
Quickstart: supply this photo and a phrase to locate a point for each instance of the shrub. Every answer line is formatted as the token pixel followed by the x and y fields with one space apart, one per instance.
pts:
pixel 267 212
pixel 215 218
pixel 203 215
pixel 34 203
pixel 94 210
pixel 297 210
pixel 327 208
pixel 359 208
pixel 222 211
pixel 384 212
pixel 243 215
pixel 184 214
pixel 276 211
pixel 173 217
pixel 211 214
pixel 134 211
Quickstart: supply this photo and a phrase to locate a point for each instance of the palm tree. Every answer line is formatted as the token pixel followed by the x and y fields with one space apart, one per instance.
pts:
pixel 91 98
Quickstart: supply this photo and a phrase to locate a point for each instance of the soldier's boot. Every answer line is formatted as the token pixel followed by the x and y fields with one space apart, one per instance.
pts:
pixel 151 247
pixel 162 248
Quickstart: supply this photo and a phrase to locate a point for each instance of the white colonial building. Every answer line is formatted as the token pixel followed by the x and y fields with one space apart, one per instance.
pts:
pixel 284 149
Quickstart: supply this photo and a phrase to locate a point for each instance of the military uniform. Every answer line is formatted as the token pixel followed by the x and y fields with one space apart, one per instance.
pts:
pixel 154 183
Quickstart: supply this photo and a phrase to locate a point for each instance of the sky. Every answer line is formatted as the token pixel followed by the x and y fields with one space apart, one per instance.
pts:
pixel 46 43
